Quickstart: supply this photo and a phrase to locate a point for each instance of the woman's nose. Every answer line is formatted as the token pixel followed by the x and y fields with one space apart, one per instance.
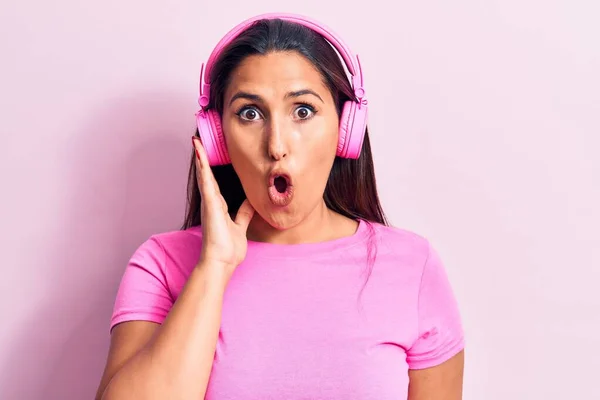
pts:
pixel 277 143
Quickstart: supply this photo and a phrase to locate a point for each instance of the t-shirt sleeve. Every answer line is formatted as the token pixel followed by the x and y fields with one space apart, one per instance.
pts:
pixel 143 292
pixel 440 331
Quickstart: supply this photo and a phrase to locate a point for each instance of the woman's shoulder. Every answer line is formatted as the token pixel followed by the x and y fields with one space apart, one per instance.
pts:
pixel 400 239
pixel 177 237
pixel 168 248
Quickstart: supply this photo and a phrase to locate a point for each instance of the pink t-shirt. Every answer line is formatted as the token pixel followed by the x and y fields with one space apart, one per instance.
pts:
pixel 343 319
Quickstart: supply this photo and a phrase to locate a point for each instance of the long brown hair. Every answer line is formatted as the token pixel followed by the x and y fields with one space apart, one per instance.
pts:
pixel 351 188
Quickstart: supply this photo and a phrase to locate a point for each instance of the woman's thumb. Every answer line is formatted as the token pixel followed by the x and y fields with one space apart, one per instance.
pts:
pixel 244 214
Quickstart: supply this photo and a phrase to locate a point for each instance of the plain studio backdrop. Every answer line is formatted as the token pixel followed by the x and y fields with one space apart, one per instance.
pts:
pixel 485 121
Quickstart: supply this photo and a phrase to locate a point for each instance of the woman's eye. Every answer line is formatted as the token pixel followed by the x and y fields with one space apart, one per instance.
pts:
pixel 249 114
pixel 304 112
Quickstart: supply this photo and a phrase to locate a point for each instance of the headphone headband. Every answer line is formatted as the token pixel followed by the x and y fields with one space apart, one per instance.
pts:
pixel 344 51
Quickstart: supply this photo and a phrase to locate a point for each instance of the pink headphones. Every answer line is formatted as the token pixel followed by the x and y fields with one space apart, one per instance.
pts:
pixel 353 119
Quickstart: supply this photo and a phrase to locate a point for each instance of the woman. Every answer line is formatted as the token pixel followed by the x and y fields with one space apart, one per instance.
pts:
pixel 286 281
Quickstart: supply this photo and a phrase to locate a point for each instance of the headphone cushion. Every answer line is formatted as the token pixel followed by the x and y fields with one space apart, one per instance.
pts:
pixel 345 128
pixel 205 133
pixel 358 129
pixel 211 136
pixel 219 138
pixel 353 124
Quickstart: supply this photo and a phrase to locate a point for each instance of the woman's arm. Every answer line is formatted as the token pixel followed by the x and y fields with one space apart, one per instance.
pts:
pixel 173 360
pixel 436 358
pixel 442 382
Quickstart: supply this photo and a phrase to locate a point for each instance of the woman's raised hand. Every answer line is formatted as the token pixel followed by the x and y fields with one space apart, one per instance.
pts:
pixel 224 242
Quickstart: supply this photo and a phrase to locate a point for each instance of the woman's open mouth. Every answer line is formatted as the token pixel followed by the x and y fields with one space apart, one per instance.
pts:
pixel 280 189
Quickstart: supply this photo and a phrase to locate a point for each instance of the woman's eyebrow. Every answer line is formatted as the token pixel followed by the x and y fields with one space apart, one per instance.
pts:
pixel 302 92
pixel 245 95
pixel 257 98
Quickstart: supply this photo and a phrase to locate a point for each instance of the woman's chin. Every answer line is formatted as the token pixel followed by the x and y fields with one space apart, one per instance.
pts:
pixel 280 220
pixel 283 221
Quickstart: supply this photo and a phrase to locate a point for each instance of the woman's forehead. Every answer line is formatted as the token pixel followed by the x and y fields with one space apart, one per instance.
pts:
pixel 275 73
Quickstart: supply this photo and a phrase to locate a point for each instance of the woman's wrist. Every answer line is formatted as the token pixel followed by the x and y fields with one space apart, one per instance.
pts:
pixel 215 273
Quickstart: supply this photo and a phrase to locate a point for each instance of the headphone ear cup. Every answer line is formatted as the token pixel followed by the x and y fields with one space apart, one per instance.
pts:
pixel 219 138
pixel 353 125
pixel 211 136
pixel 345 130
pixel 358 130
pixel 205 133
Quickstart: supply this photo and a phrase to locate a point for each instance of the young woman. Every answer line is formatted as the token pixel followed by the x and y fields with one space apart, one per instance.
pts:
pixel 285 281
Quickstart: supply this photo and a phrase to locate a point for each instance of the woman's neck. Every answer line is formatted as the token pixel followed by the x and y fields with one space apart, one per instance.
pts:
pixel 320 225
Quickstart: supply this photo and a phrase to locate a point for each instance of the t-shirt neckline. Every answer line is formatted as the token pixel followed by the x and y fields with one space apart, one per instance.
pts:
pixel 276 250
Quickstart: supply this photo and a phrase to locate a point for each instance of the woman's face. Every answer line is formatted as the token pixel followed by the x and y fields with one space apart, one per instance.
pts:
pixel 281 128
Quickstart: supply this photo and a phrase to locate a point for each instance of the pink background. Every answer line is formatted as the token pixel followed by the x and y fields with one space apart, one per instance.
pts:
pixel 486 125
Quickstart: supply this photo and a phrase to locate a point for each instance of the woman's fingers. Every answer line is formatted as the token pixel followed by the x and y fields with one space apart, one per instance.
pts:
pixel 206 182
pixel 209 188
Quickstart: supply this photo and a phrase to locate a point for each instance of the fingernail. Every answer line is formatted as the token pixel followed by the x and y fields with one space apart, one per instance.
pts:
pixel 195 149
